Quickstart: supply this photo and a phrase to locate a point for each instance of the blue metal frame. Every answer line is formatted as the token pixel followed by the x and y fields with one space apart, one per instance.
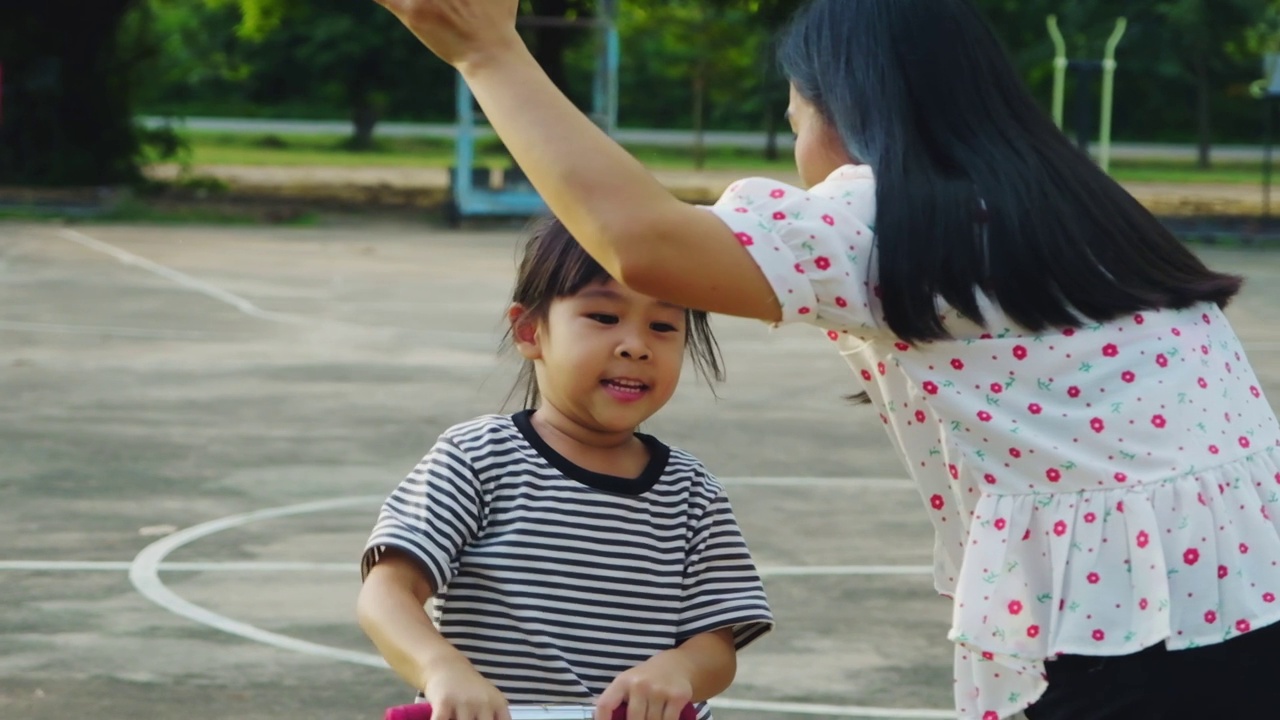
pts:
pixel 520 200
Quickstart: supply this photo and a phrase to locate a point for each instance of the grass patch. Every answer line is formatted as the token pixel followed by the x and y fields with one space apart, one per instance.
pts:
pixel 329 150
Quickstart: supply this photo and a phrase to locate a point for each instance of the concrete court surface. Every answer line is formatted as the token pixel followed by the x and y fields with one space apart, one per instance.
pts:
pixel 197 425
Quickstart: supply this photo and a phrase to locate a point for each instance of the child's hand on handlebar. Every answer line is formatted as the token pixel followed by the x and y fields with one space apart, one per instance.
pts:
pixel 458 692
pixel 658 689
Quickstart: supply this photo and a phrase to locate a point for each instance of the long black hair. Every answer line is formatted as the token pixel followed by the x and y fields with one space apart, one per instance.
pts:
pixel 554 266
pixel 977 190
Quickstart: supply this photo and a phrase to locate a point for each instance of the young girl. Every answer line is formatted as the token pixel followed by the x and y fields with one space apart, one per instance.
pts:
pixel 1053 367
pixel 571 558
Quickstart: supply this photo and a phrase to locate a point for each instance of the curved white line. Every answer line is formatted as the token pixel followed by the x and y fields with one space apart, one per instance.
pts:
pixel 61 329
pixel 144 574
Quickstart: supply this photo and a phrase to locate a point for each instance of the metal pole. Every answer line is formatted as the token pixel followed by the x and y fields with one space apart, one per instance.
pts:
pixel 1059 68
pixel 1108 93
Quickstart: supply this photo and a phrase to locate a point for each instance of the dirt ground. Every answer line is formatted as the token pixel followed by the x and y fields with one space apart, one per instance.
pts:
pixel 427 187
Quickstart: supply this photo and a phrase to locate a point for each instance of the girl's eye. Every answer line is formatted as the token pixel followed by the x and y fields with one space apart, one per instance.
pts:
pixel 604 319
pixel 664 327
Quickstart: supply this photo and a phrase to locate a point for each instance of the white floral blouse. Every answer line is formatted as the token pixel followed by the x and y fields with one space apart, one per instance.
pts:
pixel 1094 491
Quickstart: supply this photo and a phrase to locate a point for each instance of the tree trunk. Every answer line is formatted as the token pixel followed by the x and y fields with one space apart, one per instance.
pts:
pixel 1204 115
pixel 550 43
pixel 699 121
pixel 67 116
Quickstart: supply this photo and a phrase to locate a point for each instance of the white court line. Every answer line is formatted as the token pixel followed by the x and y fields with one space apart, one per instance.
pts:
pixel 194 284
pixel 144 574
pixel 16 326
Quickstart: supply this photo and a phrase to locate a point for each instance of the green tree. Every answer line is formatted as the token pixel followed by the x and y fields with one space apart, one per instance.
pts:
pixel 67 112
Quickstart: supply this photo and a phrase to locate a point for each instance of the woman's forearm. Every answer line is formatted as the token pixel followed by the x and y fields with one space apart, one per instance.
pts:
pixel 629 222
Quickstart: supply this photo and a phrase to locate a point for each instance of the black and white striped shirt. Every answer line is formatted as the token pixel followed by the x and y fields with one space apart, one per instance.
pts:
pixel 552 579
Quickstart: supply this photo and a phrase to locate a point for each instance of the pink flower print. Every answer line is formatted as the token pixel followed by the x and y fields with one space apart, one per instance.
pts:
pixel 1015 453
pixel 1253 390
pixel 1033 631
pixel 1069 332
pixel 822 262
pixel 880 368
pixel 1054 474
pixel 829 220
pixel 1090 517
pixel 1139 319
pixel 991 479
pixel 1093 578
pixel 953 471
pixel 1210 617
pixel 866 374
pixel 1073 392
pixel 1244 441
pixel 957 364
pixel 779 215
pixel 1035 409
pixel 1162 361
pixel 1143 538
pixel 1202 383
pixel 1015 608
pixel 1019 352
pixel 984 416
pixel 1191 556
pixel 1000 524
pixel 799 268
pixel 1099 636
pixel 1120 506
pixel 1128 376
pixel 1244 549
pixel 937 502
pixel 745 239
pixel 920 416
pixel 1158 421
pixel 741 210
pixel 1222 571
pixel 1142 604
pixel 1097 425
pixel 1243 626
pixel 990 715
pixel 841 302
pixel 988 655
pixel 930 387
pixel 777 193
pixel 1205 318
pixel 997 388
pixel 901 346
pixel 1060 528
pixel 805 310
pixel 1026 534
pixel 1213 449
pixel 833 335
pixel 1204 349
pixel 1268 597
pixel 1121 477
pixel 1110 350
pixel 1176 332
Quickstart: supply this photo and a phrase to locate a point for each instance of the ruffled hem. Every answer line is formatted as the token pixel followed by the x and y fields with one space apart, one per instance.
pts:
pixel 1188 561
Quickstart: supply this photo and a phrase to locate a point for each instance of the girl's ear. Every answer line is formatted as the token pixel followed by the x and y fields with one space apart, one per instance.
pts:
pixel 524 330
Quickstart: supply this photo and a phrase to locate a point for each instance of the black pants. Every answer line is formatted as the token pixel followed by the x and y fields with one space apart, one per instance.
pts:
pixel 1239 678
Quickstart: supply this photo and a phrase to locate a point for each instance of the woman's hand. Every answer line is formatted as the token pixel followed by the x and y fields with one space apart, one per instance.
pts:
pixel 460 31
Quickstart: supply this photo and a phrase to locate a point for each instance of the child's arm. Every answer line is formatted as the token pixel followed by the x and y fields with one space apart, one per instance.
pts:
pixel 699 669
pixel 390 611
